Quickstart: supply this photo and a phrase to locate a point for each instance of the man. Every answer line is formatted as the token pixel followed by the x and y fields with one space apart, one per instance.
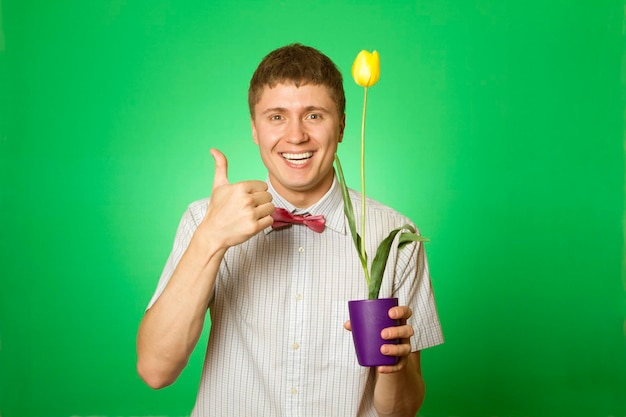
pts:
pixel 278 296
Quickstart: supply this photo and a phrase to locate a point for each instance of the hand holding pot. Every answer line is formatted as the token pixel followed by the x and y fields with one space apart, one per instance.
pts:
pixel 404 332
pixel 399 337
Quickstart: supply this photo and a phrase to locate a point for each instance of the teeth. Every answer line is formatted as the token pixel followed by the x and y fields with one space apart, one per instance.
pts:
pixel 297 158
pixel 297 161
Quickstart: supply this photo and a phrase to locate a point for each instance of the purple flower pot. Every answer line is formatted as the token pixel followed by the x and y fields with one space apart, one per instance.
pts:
pixel 368 318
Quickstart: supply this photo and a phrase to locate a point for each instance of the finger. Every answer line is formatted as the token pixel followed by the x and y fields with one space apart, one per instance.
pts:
pixel 397 332
pixel 348 326
pixel 394 368
pixel 265 222
pixel 264 215
pixel 261 197
pixel 221 169
pixel 400 350
pixel 254 186
pixel 400 313
pixel 266 209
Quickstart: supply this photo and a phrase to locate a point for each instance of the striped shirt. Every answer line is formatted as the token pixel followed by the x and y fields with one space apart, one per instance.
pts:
pixel 277 346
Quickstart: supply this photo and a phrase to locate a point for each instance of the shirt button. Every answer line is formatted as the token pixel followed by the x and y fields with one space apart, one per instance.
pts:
pixel 298 297
pixel 295 346
pixel 294 390
pixel 301 249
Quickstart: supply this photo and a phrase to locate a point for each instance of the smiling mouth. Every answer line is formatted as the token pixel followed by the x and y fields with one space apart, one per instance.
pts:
pixel 297 158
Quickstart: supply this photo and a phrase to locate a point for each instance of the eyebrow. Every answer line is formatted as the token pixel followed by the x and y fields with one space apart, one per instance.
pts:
pixel 283 109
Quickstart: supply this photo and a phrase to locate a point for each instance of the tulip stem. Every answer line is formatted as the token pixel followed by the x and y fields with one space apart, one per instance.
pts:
pixel 363 254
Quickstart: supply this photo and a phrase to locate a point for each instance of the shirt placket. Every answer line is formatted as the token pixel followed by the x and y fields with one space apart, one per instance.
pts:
pixel 297 323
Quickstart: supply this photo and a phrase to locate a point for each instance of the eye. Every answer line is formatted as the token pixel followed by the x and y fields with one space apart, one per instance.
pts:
pixel 276 117
pixel 314 116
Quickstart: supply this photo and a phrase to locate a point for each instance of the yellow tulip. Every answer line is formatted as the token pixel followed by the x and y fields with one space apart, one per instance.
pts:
pixel 366 68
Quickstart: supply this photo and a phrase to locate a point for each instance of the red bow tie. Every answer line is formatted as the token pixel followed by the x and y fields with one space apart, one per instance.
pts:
pixel 283 217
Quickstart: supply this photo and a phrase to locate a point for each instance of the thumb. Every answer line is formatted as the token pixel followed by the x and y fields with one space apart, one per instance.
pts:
pixel 221 169
pixel 348 326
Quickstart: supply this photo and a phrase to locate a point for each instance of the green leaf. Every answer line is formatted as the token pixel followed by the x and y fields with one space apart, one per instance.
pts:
pixel 409 237
pixel 363 259
pixel 379 263
pixel 349 212
pixel 382 254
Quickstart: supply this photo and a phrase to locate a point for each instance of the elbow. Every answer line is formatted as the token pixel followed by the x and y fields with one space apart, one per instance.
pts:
pixel 154 378
pixel 398 409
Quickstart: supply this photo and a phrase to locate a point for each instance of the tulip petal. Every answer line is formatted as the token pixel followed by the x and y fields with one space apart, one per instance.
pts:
pixel 375 68
pixel 366 68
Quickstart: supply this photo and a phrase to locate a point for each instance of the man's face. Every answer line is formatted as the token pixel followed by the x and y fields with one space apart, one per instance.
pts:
pixel 297 130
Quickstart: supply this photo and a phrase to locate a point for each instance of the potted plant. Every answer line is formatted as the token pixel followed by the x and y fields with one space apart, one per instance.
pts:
pixel 369 316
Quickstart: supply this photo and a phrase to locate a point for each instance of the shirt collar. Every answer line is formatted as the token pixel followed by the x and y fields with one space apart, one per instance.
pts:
pixel 330 206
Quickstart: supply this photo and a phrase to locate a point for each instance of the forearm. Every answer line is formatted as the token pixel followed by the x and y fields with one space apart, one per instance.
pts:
pixel 171 328
pixel 400 393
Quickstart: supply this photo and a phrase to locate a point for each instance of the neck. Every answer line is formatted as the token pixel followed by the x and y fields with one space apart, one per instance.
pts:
pixel 304 198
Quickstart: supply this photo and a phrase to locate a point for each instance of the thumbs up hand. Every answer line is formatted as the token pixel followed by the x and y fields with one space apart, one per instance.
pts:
pixel 236 211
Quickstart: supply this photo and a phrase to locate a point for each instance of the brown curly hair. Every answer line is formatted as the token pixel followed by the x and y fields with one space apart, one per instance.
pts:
pixel 300 65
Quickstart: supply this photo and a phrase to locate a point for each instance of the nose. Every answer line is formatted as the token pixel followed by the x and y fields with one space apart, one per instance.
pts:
pixel 296 133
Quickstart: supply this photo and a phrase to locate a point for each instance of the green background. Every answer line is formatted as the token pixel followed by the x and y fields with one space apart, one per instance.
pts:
pixel 498 126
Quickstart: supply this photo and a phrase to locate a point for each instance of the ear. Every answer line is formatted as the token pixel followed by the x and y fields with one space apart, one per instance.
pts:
pixel 342 127
pixel 254 133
